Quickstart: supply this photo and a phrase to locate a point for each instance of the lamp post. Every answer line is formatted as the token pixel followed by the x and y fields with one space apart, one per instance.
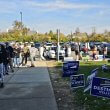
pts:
pixel 21 22
pixel 21 19
pixel 58 47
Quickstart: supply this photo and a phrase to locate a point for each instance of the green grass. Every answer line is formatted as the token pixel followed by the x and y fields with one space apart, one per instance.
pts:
pixel 87 67
pixel 59 64
pixel 85 100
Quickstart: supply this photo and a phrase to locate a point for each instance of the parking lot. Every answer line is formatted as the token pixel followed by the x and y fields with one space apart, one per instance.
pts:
pixel 77 51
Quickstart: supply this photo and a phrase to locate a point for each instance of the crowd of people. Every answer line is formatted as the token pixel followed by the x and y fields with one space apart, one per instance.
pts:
pixel 101 50
pixel 15 55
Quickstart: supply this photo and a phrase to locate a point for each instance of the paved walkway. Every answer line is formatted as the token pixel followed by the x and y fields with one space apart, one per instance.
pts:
pixel 28 89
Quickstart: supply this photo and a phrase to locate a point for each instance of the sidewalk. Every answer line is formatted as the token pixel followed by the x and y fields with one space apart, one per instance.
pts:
pixel 28 89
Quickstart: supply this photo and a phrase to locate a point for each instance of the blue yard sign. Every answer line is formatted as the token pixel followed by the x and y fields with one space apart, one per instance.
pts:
pixel 93 74
pixel 100 87
pixel 70 68
pixel 95 71
pixel 77 81
pixel 105 68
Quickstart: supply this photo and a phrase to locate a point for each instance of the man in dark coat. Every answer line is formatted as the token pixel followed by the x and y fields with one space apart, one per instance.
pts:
pixel 11 54
pixel 1 67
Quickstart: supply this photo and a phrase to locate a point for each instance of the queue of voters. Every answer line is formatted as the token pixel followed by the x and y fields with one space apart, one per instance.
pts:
pixel 14 55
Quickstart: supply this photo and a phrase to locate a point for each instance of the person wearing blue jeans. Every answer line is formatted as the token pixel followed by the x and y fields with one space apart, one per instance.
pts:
pixel 1 67
pixel 16 61
pixel 16 58
pixel 10 51
pixel 6 58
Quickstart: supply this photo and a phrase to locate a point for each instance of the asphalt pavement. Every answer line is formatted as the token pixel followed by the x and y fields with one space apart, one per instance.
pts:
pixel 28 89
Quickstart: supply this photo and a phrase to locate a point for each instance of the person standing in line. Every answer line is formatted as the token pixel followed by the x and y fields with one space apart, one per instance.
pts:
pixel 69 51
pixel 104 51
pixel 11 53
pixel 66 51
pixel 21 46
pixel 42 52
pixel 6 59
pixel 25 54
pixel 100 50
pixel 33 52
pixel 94 51
pixel 17 51
pixel 85 50
pixel 1 67
pixel 14 55
pixel 77 52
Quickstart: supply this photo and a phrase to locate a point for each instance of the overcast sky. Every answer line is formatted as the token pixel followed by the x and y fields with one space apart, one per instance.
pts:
pixel 67 15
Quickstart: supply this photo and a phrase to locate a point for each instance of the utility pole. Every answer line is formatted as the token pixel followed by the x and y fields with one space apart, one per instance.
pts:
pixel 21 22
pixel 71 36
pixel 21 19
pixel 93 30
pixel 58 35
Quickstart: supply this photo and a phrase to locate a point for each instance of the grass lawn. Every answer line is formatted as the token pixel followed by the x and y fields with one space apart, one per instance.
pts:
pixel 85 100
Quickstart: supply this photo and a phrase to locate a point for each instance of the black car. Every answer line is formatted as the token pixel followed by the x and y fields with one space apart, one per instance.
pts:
pixel 37 45
pixel 73 46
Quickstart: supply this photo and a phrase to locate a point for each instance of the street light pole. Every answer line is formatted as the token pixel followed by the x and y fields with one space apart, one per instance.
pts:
pixel 21 19
pixel 58 47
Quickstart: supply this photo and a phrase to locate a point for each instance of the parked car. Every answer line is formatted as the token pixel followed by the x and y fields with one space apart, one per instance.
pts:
pixel 107 45
pixel 61 53
pixel 52 53
pixel 97 44
pixel 37 45
pixel 48 45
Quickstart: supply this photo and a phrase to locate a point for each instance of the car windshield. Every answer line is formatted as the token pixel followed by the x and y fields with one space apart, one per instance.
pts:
pixel 48 44
pixel 37 45
pixel 61 48
pixel 54 48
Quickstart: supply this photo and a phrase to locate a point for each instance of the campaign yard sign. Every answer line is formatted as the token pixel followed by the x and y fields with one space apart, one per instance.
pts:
pixel 70 68
pixel 77 81
pixel 99 57
pixel 95 71
pixel 93 74
pixel 100 87
pixel 105 68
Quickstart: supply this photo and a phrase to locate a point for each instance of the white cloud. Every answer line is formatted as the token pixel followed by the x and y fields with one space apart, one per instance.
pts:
pixel 60 4
pixel 12 6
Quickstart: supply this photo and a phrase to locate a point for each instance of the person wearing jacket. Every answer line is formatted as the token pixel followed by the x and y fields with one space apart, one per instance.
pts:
pixel 33 52
pixel 17 51
pixel 1 67
pixel 6 60
pixel 25 54
pixel 42 52
pixel 11 54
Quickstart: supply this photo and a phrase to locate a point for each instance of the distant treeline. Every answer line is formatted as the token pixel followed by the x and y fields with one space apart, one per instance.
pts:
pixel 19 32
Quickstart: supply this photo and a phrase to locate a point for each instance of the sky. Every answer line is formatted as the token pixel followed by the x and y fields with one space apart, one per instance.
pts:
pixel 66 15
